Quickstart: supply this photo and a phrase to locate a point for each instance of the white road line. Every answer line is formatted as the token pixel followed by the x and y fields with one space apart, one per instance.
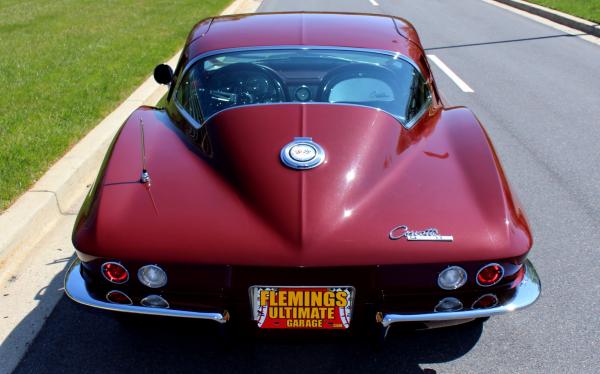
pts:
pixel 455 78
pixel 374 3
pixel 545 21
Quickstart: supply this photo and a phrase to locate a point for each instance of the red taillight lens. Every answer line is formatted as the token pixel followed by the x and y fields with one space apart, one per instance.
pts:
pixel 485 301
pixel 490 275
pixel 118 297
pixel 115 272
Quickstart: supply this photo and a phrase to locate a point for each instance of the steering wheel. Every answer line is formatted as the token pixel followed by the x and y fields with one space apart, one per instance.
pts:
pixel 242 84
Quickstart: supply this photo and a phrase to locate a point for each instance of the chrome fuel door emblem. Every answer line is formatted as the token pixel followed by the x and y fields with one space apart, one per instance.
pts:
pixel 302 154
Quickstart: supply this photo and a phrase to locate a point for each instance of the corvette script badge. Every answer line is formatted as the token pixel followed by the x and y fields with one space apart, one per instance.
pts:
pixel 431 234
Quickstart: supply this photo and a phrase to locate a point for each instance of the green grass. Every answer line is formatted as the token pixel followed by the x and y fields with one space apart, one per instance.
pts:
pixel 588 9
pixel 65 64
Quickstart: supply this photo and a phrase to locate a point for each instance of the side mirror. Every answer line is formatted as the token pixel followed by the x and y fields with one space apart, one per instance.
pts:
pixel 163 74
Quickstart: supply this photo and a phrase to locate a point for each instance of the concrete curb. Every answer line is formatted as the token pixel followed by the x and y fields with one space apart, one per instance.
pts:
pixel 577 23
pixel 36 212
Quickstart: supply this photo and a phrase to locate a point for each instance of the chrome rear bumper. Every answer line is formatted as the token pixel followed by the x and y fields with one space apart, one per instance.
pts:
pixel 76 289
pixel 527 293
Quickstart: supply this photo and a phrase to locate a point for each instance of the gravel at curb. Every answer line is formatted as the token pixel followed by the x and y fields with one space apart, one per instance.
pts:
pixel 580 24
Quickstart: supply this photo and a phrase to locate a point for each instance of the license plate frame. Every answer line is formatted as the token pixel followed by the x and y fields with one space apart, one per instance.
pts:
pixel 302 307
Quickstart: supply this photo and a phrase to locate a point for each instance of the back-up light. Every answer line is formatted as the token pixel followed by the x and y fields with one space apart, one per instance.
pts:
pixel 115 272
pixel 449 304
pixel 154 301
pixel 489 275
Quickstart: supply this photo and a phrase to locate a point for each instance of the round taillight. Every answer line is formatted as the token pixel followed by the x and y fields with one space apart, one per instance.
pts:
pixel 452 278
pixel 118 297
pixel 486 301
pixel 152 276
pixel 489 275
pixel 115 272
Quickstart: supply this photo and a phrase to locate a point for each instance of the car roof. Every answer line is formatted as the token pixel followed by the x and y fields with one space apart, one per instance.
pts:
pixel 354 30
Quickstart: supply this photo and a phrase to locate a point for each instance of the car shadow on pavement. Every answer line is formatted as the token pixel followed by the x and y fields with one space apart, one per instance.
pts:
pixel 76 339
pixel 16 342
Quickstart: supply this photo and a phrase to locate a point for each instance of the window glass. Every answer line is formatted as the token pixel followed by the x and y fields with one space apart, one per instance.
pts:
pixel 268 76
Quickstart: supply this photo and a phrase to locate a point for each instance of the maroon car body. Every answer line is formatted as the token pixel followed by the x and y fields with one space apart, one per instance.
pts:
pixel 222 214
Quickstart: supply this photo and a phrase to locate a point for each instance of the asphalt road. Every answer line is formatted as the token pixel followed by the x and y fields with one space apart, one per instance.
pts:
pixel 537 91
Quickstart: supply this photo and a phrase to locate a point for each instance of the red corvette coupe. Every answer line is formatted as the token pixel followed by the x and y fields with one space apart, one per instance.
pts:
pixel 304 174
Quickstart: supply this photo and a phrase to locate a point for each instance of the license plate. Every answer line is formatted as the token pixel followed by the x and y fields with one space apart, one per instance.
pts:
pixel 302 307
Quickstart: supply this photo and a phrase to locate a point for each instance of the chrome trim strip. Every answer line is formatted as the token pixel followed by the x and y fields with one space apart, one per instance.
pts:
pixel 76 290
pixel 527 292
pixel 395 55
pixel 419 114
pixel 197 125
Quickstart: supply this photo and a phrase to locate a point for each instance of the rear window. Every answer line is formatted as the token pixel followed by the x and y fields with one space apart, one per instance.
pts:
pixel 303 75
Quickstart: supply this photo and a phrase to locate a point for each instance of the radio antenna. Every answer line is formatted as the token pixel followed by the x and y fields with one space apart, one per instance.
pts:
pixel 145 178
